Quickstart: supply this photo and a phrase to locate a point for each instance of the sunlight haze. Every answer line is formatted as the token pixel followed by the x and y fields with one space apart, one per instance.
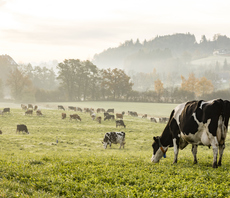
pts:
pixel 36 31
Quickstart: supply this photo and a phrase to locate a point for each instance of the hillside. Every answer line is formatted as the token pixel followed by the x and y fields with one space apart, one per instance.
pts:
pixel 164 53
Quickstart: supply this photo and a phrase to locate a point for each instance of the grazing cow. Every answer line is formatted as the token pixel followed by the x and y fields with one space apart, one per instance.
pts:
pixel 105 114
pixel 153 120
pixel 110 111
pixel 75 116
pixel 119 115
pixel 100 110
pixel 196 123
pixel 120 123
pixel 30 106
pixel 71 108
pixel 61 107
pixel 35 107
pixel 163 120
pixel 79 109
pixel 114 137
pixel 93 116
pixel 63 115
pixel 133 113
pixel 144 116
pixel 29 112
pixel 22 127
pixel 87 110
pixel 123 113
pixel 24 107
pixel 38 112
pixel 99 119
pixel 6 110
pixel 109 117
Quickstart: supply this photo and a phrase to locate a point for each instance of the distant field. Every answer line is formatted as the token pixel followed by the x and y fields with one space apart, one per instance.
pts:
pixel 66 158
pixel 152 109
pixel 211 60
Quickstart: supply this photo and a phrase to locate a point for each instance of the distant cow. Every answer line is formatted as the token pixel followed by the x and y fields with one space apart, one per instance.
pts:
pixel 114 138
pixel 133 113
pixel 109 117
pixel 63 115
pixel 120 123
pixel 72 108
pixel 6 110
pixel 30 106
pixel 163 120
pixel 38 112
pixel 153 120
pixel 105 114
pixel 35 107
pixel 22 127
pixel 79 109
pixel 29 112
pixel 100 110
pixel 75 116
pixel 61 107
pixel 24 107
pixel 144 116
pixel 99 119
pixel 110 111
pixel 93 116
pixel 119 115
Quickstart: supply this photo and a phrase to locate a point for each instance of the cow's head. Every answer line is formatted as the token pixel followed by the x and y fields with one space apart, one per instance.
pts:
pixel 105 144
pixel 158 150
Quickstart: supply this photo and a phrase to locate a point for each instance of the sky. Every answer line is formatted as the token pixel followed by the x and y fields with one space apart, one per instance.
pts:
pixel 34 31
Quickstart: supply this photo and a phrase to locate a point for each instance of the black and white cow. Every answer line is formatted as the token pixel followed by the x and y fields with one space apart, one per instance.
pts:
pixel 120 123
pixel 196 123
pixel 115 138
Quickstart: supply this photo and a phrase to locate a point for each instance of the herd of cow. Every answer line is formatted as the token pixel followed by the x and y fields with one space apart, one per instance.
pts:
pixel 195 122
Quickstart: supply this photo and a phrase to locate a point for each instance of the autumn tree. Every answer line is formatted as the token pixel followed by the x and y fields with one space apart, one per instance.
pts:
pixel 19 83
pixel 159 88
pixel 190 83
pixel 204 86
pixel 116 83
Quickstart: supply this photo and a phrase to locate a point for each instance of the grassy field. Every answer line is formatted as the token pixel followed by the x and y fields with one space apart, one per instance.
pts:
pixel 36 165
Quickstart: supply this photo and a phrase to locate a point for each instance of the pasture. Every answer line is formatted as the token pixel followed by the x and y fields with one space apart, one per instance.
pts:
pixel 66 158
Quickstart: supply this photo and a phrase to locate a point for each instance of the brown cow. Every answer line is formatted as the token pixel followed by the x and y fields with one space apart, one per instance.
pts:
pixel 35 107
pixel 119 115
pixel 29 112
pixel 99 119
pixel 38 112
pixel 144 116
pixel 153 120
pixel 63 115
pixel 24 107
pixel 75 116
pixel 30 106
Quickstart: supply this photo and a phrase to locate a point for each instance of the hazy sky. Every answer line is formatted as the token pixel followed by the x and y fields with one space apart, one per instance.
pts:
pixel 43 30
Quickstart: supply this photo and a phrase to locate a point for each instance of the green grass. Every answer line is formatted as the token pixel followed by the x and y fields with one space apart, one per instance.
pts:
pixel 35 165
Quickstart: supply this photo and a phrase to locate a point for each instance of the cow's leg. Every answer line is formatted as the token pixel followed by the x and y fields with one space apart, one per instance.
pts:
pixel 194 152
pixel 215 145
pixel 221 151
pixel 176 150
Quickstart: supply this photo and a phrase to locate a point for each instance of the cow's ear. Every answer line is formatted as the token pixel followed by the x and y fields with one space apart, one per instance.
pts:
pixel 155 138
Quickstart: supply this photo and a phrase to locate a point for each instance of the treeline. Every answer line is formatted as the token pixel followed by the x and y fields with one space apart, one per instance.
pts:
pixel 165 53
pixel 78 80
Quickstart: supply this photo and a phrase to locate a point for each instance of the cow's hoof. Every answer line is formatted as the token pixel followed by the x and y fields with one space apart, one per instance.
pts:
pixel 214 165
pixel 219 164
pixel 195 162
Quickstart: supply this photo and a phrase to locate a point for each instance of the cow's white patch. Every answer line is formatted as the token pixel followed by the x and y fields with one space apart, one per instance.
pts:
pixel 158 155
